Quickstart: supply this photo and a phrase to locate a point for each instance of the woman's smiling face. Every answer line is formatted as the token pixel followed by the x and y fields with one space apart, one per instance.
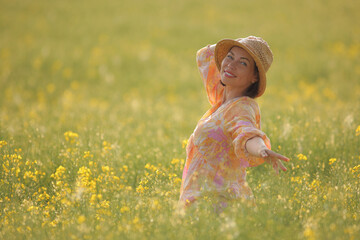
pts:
pixel 238 69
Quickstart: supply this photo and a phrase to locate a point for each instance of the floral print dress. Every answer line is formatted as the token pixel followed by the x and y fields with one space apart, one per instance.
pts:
pixel 216 156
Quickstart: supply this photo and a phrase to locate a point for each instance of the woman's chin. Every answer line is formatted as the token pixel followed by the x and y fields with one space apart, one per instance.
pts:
pixel 226 81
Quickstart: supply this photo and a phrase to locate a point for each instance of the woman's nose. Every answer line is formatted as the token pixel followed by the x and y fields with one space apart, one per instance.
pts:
pixel 232 65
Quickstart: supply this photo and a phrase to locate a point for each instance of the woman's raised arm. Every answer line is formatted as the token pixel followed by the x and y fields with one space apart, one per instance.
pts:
pixel 209 74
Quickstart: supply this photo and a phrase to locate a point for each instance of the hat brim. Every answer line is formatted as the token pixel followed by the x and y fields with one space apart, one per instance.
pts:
pixel 223 47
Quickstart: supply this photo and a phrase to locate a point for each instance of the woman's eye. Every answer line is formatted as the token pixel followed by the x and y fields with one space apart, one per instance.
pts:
pixel 244 63
pixel 229 56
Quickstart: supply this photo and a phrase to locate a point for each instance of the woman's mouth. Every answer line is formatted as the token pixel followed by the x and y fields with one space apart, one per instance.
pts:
pixel 229 74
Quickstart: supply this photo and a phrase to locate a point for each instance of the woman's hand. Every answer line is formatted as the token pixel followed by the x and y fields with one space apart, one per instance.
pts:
pixel 275 159
pixel 257 147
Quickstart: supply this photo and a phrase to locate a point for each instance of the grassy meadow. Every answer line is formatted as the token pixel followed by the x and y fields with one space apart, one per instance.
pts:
pixel 97 99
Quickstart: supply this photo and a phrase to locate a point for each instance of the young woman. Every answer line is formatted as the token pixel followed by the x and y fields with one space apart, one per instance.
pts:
pixel 228 138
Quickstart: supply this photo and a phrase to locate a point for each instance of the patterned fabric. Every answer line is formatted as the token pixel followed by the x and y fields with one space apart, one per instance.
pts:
pixel 216 156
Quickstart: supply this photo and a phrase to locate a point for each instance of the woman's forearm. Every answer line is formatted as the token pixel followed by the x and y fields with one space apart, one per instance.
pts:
pixel 255 145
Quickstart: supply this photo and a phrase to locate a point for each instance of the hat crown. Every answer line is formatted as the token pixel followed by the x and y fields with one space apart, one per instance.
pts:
pixel 260 48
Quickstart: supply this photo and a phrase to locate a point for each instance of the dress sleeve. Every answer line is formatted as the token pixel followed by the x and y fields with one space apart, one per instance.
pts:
pixel 189 154
pixel 243 123
pixel 210 74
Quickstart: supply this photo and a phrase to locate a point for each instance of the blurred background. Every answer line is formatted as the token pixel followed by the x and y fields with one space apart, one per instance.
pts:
pixel 85 62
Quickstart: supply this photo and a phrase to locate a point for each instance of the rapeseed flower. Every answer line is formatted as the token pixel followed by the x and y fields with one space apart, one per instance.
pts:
pixel 140 189
pixel 71 137
pixel 87 154
pixel 309 233
pixel 301 156
pixel 175 161
pixel 59 173
pixel 106 146
pixel 357 131
pixel 356 170
pixel 3 143
pixel 124 209
pixel 105 204
pixel 184 143
pixel 332 160
pixel 81 219
pixel 105 169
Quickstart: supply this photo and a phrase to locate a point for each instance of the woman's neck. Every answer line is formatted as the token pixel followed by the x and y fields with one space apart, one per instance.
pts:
pixel 231 93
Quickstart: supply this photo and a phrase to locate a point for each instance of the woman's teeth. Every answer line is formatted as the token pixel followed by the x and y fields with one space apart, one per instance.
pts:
pixel 227 74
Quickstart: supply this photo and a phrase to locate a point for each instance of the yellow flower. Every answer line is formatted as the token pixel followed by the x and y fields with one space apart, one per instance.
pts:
pixel 31 208
pixel 3 143
pixel 106 146
pixel 184 143
pixel 93 199
pixel 332 160
pixel 29 174
pixel 105 204
pixel 357 131
pixel 356 170
pixel 177 180
pixel 81 219
pixel 155 205
pixel 87 154
pixel 99 196
pixel 71 137
pixel 309 233
pixel 59 173
pixel 140 189
pixel 296 179
pixel 85 179
pixel 53 223
pixel 124 209
pixel 105 169
pixel 175 161
pixel 301 157
pixel 315 184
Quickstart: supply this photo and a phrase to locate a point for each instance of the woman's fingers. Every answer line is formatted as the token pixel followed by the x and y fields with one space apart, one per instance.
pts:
pixel 277 155
pixel 275 159
pixel 276 167
pixel 282 166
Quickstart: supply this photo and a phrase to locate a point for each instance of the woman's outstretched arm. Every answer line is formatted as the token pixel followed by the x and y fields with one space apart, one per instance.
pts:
pixel 256 146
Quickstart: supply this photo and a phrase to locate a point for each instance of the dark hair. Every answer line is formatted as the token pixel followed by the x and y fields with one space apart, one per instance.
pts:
pixel 253 90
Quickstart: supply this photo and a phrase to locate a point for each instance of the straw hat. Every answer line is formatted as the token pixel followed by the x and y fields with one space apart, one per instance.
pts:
pixel 256 47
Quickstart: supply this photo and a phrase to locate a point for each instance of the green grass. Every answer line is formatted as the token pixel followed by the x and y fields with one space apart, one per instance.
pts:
pixel 119 79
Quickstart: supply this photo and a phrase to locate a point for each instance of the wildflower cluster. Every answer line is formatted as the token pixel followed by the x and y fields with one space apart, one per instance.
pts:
pixel 356 171
pixel 52 199
pixel 357 131
pixel 301 156
pixel 332 160
pixel 155 176
pixel 71 137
